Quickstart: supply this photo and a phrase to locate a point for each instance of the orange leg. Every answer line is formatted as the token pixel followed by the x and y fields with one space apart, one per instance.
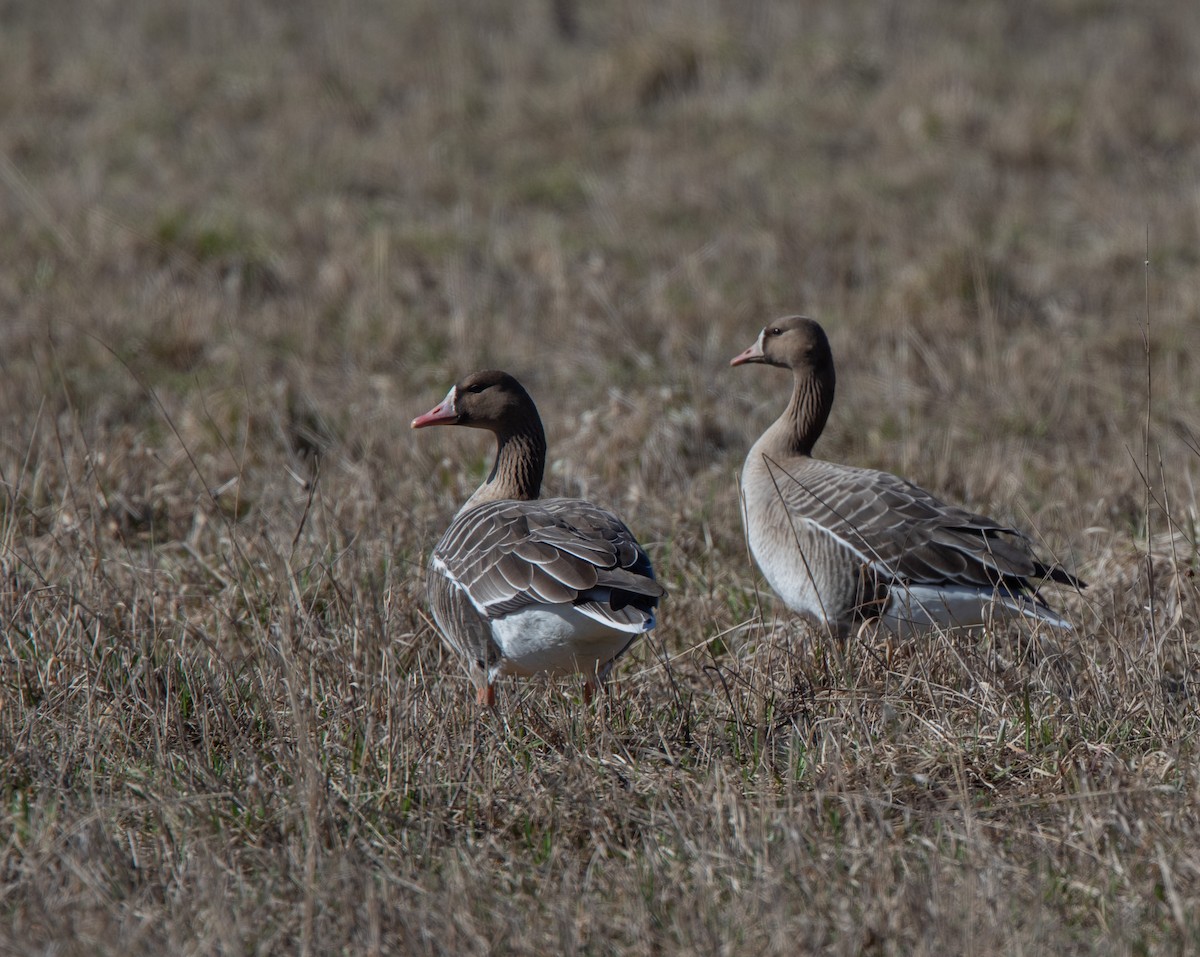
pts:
pixel 486 696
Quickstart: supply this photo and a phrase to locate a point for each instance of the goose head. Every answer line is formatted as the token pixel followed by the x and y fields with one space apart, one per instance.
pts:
pixel 490 399
pixel 795 343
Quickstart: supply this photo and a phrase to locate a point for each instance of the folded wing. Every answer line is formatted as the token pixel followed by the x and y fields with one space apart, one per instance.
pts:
pixel 906 535
pixel 509 555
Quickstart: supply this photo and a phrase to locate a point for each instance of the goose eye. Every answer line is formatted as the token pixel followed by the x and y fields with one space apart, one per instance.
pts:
pixel 475 387
pixel 774 331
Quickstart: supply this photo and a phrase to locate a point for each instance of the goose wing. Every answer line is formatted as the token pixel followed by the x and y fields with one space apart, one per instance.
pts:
pixel 510 555
pixel 906 534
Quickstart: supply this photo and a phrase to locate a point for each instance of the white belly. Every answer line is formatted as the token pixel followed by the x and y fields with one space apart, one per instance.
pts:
pixel 796 589
pixel 794 573
pixel 555 640
pixel 918 607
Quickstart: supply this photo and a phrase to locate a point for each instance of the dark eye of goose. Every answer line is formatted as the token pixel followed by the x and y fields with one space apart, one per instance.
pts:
pixel 475 387
pixel 774 331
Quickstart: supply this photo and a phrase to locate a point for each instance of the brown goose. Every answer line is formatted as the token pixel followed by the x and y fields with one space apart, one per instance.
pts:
pixel 843 545
pixel 518 585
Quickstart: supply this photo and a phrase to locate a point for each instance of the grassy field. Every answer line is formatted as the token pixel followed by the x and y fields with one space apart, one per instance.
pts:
pixel 243 244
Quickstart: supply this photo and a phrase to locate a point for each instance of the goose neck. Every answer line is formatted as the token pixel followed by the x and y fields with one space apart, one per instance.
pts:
pixel 517 471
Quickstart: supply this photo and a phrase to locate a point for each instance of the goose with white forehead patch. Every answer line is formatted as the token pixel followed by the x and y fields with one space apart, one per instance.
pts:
pixel 844 545
pixel 520 585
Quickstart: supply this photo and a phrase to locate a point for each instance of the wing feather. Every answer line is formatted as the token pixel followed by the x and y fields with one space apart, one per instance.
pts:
pixel 509 555
pixel 461 626
pixel 905 533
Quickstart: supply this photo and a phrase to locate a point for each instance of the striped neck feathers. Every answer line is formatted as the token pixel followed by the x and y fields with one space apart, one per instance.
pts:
pixel 796 431
pixel 517 471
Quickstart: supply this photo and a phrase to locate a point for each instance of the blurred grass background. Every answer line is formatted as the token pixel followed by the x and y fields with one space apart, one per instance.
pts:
pixel 243 244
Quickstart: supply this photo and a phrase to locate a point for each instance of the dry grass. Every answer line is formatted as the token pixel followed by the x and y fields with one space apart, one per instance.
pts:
pixel 241 245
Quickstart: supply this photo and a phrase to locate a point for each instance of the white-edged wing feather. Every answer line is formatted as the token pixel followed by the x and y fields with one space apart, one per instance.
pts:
pixel 512 575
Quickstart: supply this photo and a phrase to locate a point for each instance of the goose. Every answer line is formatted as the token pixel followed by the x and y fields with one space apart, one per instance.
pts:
pixel 520 585
pixel 842 545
